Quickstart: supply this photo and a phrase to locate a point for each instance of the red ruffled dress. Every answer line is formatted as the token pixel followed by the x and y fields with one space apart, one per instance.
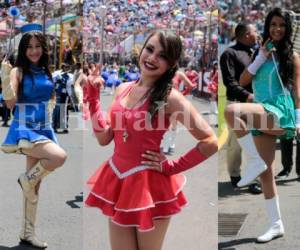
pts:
pixel 124 189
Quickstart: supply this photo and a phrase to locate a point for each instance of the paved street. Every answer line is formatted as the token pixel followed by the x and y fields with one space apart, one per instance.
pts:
pixel 193 229
pixel 240 201
pixel 59 219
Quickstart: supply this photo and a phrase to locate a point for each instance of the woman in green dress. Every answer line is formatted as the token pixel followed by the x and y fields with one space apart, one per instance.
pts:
pixel 274 72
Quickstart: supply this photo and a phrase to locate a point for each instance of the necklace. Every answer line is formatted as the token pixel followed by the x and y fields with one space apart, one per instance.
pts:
pixel 125 133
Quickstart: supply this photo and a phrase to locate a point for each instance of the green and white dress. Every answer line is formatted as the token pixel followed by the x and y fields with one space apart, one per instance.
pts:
pixel 275 99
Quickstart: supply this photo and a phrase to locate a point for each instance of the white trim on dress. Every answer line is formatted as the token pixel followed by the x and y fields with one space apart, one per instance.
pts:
pixel 141 208
pixel 138 226
pixel 126 173
pixel 132 225
pixel 100 197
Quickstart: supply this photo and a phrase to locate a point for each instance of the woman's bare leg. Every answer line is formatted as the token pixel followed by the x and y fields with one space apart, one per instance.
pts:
pixel 122 238
pixel 266 146
pixel 153 240
pixel 30 163
pixel 240 116
pixel 49 154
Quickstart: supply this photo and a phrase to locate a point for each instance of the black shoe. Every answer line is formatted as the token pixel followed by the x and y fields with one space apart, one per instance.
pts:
pixel 235 180
pixel 283 174
pixel 254 188
pixel 5 124
pixel 65 131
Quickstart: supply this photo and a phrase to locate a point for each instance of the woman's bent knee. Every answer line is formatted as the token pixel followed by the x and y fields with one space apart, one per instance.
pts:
pixel 230 110
pixel 60 158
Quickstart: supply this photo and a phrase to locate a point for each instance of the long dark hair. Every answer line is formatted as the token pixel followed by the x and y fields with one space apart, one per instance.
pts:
pixel 172 48
pixel 284 49
pixel 23 62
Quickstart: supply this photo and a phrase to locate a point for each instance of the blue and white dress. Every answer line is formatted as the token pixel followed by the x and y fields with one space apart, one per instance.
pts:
pixel 32 116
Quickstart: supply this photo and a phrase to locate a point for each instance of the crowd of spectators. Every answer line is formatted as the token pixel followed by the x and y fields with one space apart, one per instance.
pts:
pixel 128 22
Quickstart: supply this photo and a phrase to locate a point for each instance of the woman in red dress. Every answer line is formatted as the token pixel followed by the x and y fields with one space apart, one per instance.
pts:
pixel 138 188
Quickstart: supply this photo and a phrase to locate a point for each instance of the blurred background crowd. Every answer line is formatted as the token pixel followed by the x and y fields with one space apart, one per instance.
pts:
pixel 127 23
pixel 83 33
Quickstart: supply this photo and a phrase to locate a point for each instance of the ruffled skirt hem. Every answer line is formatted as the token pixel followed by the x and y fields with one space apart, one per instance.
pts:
pixel 138 199
pixel 142 218
pixel 22 144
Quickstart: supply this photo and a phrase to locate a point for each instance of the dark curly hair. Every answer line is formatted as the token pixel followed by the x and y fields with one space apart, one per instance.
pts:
pixel 172 48
pixel 23 62
pixel 284 49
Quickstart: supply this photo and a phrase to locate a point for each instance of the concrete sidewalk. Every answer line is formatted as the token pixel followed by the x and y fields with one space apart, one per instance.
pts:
pixel 240 201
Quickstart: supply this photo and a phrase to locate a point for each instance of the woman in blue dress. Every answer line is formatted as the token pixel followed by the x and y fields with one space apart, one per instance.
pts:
pixel 31 133
pixel 274 72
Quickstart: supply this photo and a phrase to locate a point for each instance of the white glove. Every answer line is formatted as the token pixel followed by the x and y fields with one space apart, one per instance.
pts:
pixel 7 90
pixel 259 60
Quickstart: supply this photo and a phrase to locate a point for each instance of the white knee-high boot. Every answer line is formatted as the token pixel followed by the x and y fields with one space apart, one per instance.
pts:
pixel 276 228
pixel 29 180
pixel 27 234
pixel 255 165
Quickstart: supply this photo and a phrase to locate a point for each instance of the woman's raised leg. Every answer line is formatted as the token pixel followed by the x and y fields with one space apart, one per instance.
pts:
pixel 50 156
pixel 241 116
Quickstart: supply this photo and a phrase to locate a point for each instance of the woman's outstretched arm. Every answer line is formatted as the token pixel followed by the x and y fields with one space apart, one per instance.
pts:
pixel 91 98
pixel 100 120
